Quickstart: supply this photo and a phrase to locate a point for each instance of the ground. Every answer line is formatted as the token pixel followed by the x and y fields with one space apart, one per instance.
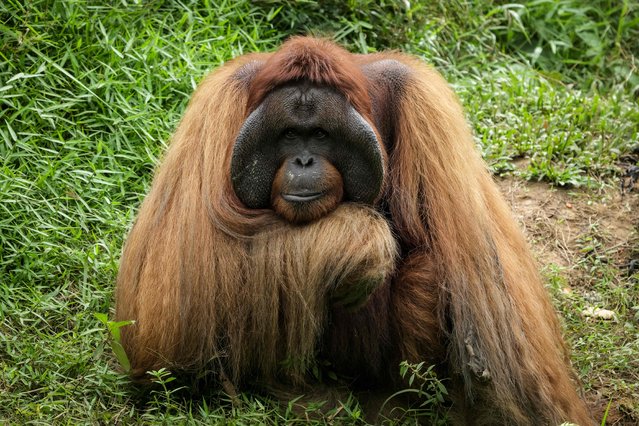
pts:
pixel 586 241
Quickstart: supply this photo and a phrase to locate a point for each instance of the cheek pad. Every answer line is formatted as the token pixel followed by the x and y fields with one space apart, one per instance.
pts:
pixel 252 165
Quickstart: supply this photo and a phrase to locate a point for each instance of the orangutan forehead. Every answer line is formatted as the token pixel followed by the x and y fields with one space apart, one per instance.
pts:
pixel 305 100
pixel 304 96
pixel 307 97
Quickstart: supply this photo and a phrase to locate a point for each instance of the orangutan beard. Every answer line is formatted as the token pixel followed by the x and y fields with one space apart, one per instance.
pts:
pixel 293 277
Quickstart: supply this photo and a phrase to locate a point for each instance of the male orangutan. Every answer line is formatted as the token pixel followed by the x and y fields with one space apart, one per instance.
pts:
pixel 317 204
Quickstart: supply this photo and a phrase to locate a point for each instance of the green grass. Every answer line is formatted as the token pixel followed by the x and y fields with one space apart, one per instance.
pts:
pixel 90 93
pixel 567 137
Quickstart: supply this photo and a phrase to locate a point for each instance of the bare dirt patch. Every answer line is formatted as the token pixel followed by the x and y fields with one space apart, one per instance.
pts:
pixel 557 220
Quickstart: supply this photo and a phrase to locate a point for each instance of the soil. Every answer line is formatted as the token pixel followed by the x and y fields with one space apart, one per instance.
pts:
pixel 555 219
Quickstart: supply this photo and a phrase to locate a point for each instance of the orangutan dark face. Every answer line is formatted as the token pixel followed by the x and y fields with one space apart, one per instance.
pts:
pixel 303 151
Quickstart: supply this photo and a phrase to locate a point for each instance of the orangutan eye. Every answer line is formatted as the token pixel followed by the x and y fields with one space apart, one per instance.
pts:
pixel 320 134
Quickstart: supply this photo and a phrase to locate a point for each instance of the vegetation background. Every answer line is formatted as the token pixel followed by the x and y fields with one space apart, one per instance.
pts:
pixel 90 92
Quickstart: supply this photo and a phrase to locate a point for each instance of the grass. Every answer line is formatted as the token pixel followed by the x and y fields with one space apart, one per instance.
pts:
pixel 90 93
pixel 567 137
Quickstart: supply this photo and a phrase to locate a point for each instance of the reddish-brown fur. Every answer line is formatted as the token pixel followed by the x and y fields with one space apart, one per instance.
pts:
pixel 212 284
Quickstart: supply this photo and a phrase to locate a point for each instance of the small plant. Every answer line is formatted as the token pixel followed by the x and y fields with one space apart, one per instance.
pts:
pixel 426 394
pixel 115 339
pixel 163 377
